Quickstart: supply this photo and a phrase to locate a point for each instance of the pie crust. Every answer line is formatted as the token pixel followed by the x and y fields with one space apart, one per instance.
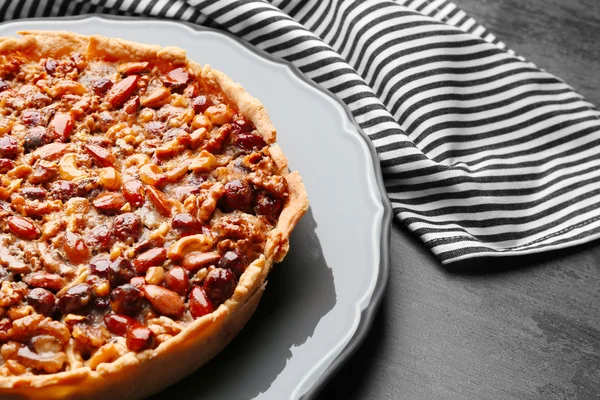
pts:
pixel 140 374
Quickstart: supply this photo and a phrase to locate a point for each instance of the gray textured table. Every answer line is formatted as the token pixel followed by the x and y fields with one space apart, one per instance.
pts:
pixel 519 328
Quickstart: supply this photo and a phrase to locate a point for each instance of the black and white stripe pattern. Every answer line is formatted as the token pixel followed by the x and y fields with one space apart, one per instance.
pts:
pixel 482 152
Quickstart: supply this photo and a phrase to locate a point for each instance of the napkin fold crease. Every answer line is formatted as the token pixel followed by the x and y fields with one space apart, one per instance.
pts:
pixel 482 153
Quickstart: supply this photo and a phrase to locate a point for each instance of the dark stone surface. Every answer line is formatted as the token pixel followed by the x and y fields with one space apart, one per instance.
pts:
pixel 518 328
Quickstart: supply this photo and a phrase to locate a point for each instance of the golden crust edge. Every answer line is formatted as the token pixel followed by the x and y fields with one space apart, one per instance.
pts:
pixel 57 43
pixel 118 378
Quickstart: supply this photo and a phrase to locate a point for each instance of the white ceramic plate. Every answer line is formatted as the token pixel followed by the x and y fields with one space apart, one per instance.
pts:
pixel 320 301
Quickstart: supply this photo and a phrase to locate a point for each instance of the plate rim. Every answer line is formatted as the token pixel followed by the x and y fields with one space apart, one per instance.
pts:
pixel 367 315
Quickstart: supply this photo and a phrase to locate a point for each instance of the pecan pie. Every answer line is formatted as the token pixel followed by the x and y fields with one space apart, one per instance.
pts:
pixel 142 204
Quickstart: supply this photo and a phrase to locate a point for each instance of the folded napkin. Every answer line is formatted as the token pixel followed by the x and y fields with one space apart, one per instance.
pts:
pixel 482 153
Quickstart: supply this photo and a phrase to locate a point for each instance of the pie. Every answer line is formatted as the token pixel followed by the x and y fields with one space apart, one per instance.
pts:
pixel 142 204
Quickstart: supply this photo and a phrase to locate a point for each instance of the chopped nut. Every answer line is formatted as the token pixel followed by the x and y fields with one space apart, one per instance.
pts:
pixel 67 87
pixel 198 136
pixel 51 229
pixel 51 151
pixel 169 149
pixel 203 162
pixel 152 174
pixel 13 187
pixel 67 167
pixel 207 207
pixel 137 160
pixel 72 319
pixel 20 171
pixel 109 203
pixel 217 138
pixel 184 118
pixel 177 77
pixel 164 301
pixel 61 126
pixel 220 114
pixel 195 261
pixel 44 172
pixel 201 274
pixel 146 115
pixel 89 336
pixel 103 157
pixel 160 200
pixel 49 363
pixel 157 98
pixel 110 178
pixel 188 244
pixel 178 100
pixel 75 248
pixel 132 67
pixel 6 125
pixel 23 227
pixel 155 275
pixel 10 294
pixel 178 172
pixel 120 92
pixel 132 105
pixel 15 367
pixel 102 289
pixel 163 325
pixel 202 121
pixel 115 130
pixel 20 312
pixel 157 236
pixel 45 280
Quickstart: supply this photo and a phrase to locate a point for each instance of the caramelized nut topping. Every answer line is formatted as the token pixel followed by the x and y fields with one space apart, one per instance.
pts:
pixel 127 299
pixel 120 92
pixel 132 67
pixel 164 301
pixel 177 77
pixel 120 272
pixel 100 267
pixel 103 157
pixel 220 284
pixel 177 280
pixel 45 280
pixel 234 261
pixel 150 258
pixel 101 85
pixel 133 191
pixel 109 203
pixel 76 299
pixel 186 224
pixel 23 227
pixel 61 127
pixel 42 301
pixel 127 226
pixel 160 200
pixel 197 260
pixel 119 323
pixel 238 195
pixel 75 248
pixel 133 196
pixel 8 147
pixel 200 304
pixel 157 98
pixel 139 338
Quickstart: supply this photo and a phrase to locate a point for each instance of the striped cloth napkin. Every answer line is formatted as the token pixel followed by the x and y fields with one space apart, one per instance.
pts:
pixel 482 153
